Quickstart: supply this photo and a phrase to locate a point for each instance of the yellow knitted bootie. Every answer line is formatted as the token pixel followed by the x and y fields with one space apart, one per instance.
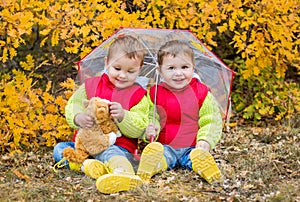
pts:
pixel 116 182
pixel 204 164
pixel 75 166
pixel 120 164
pixel 152 161
pixel 94 168
pixel 64 163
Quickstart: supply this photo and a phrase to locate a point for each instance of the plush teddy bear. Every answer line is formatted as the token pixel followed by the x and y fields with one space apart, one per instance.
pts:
pixel 91 141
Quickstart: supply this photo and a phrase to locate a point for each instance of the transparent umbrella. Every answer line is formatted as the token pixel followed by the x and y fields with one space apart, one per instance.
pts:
pixel 209 68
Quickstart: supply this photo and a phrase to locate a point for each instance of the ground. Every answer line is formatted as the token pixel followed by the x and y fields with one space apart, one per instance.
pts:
pixel 259 163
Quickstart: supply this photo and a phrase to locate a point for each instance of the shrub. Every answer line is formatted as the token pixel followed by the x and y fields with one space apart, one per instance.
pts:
pixel 31 117
pixel 41 40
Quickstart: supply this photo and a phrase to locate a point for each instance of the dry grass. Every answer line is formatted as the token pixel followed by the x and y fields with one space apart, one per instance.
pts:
pixel 258 164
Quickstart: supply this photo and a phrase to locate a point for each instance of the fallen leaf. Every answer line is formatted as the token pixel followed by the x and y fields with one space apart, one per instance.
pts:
pixel 248 186
pixel 21 176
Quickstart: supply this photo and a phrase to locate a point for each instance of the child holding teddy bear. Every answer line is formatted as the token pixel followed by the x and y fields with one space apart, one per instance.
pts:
pixel 128 106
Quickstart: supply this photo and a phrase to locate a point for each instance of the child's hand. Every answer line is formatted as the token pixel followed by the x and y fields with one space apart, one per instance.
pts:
pixel 116 111
pixel 203 145
pixel 151 130
pixel 83 120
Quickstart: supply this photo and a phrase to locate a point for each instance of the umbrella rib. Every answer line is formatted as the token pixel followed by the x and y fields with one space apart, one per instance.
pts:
pixel 155 97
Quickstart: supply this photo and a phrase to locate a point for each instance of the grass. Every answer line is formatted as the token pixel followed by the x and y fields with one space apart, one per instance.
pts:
pixel 259 163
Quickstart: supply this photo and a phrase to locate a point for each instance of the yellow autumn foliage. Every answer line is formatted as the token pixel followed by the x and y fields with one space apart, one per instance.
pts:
pixel 265 30
pixel 29 116
pixel 261 37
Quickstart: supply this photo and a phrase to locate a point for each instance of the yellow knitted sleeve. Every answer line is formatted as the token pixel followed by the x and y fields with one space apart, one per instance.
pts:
pixel 135 120
pixel 210 122
pixel 75 105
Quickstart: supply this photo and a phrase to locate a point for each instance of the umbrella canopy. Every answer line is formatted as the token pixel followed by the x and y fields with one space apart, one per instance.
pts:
pixel 209 68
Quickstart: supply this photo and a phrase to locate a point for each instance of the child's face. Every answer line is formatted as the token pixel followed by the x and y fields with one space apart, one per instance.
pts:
pixel 177 71
pixel 123 71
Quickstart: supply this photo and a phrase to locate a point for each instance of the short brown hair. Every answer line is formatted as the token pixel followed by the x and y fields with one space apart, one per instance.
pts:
pixel 129 45
pixel 174 48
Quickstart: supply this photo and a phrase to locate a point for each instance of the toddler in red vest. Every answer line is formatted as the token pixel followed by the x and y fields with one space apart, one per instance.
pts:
pixel 188 120
pixel 128 106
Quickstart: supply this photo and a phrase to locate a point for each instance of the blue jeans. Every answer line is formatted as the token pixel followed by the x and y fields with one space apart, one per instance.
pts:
pixel 178 157
pixel 104 156
pixel 58 149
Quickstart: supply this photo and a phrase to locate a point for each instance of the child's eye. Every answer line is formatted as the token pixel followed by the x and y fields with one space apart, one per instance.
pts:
pixel 185 67
pixel 171 68
pixel 117 68
pixel 131 72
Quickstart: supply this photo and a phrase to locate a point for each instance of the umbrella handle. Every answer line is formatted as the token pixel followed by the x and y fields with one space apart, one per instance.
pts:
pixel 136 155
pixel 152 137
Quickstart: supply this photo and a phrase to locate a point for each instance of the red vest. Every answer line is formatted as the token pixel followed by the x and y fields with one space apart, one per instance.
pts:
pixel 179 113
pixel 128 97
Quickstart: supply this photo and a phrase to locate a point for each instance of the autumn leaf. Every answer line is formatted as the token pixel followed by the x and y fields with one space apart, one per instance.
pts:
pixel 21 176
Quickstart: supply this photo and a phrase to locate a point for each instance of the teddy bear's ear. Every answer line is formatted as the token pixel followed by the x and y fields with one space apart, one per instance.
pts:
pixel 86 103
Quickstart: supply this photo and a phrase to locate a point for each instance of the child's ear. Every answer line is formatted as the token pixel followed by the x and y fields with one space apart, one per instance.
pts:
pixel 158 70
pixel 86 103
pixel 105 63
